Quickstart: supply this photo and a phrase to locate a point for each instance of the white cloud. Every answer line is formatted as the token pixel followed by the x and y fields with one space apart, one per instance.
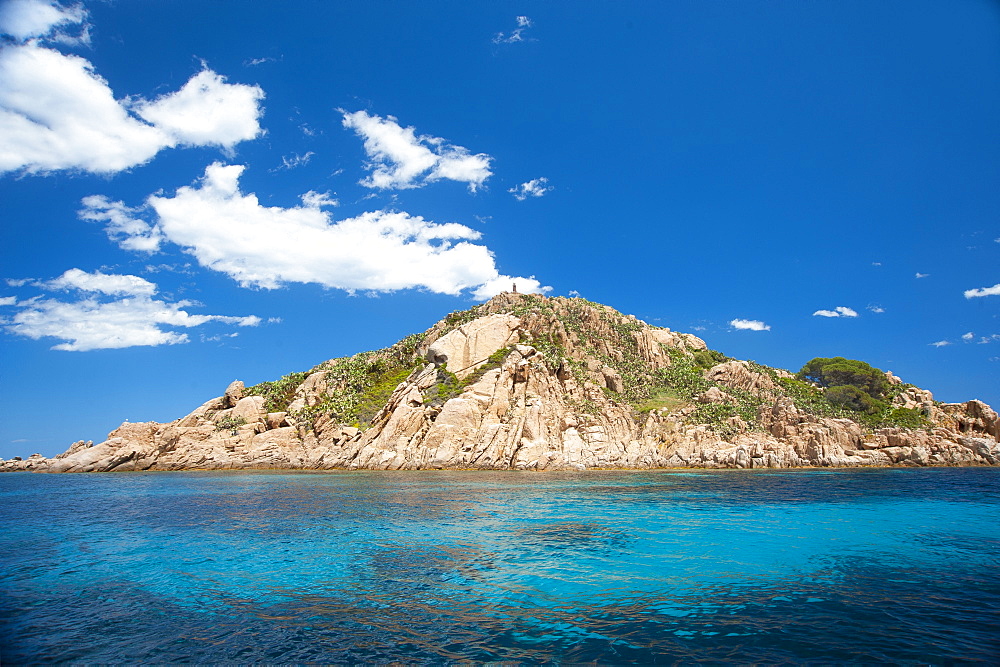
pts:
pixel 24 19
pixel 940 343
pixel 253 62
pixel 968 336
pixel 207 111
pixel 536 187
pixel 516 35
pixel 313 199
pixel 265 247
pixel 876 309
pixel 8 300
pixel 922 275
pixel 839 311
pixel 750 325
pixel 491 288
pixel 295 160
pixel 983 291
pixel 989 339
pixel 573 293
pixel 56 113
pixel 94 321
pixel 121 224
pixel 401 159
pixel 102 283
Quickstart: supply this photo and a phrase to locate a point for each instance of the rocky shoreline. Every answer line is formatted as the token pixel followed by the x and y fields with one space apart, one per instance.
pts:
pixel 538 384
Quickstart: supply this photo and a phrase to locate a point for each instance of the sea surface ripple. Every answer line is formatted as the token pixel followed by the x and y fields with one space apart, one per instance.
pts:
pixel 884 565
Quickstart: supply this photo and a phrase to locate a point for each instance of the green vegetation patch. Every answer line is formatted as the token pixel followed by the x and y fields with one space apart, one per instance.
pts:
pixel 278 393
pixel 231 424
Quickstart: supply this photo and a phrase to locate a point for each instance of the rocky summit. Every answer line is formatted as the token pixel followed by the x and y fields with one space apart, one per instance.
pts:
pixel 533 383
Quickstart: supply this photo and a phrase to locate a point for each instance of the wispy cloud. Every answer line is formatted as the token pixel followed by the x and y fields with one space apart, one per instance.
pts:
pixel 399 158
pixel 110 311
pixel 516 35
pixel 839 311
pixel 749 325
pixel 294 160
pixel 940 343
pixel 875 308
pixel 253 62
pixel 921 275
pixel 122 224
pixel 983 291
pixel 536 187
pixel 968 337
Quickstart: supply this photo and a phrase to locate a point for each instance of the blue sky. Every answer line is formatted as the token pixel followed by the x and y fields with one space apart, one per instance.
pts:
pixel 195 192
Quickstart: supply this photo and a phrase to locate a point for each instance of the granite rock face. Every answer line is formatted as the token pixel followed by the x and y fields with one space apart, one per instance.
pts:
pixel 529 383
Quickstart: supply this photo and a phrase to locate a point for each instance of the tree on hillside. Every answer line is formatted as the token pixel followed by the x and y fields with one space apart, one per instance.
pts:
pixel 840 372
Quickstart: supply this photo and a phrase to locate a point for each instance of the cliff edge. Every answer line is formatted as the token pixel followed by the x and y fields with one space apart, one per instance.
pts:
pixel 529 382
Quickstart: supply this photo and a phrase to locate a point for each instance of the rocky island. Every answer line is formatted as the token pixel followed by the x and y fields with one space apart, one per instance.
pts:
pixel 527 382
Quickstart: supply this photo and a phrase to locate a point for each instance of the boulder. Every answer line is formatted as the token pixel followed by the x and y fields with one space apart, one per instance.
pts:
pixel 234 392
pixel 470 345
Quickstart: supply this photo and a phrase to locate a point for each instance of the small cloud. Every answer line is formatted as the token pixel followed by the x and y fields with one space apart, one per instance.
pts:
pixel 750 325
pixel 218 337
pixel 483 219
pixel 253 62
pixel 517 35
pixel 983 291
pixel 989 339
pixel 294 160
pixel 968 336
pixel 876 263
pixel 839 311
pixel 274 320
pixel 8 300
pixel 941 343
pixel 922 275
pixel 18 282
pixel 399 158
pixel 313 199
pixel 502 283
pixel 573 293
pixel 536 187
pixel 875 308
pixel 308 131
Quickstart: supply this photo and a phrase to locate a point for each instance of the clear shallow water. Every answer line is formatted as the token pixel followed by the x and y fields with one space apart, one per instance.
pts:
pixel 614 567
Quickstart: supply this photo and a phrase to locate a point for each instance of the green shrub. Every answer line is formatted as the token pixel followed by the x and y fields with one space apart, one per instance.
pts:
pixel 279 393
pixel 709 358
pixel 446 387
pixel 230 423
pixel 850 397
pixel 905 418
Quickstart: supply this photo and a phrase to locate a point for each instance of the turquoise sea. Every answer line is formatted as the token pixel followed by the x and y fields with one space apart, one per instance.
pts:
pixel 897 565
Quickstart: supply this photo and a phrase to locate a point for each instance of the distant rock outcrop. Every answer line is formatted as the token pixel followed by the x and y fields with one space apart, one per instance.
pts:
pixel 532 383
